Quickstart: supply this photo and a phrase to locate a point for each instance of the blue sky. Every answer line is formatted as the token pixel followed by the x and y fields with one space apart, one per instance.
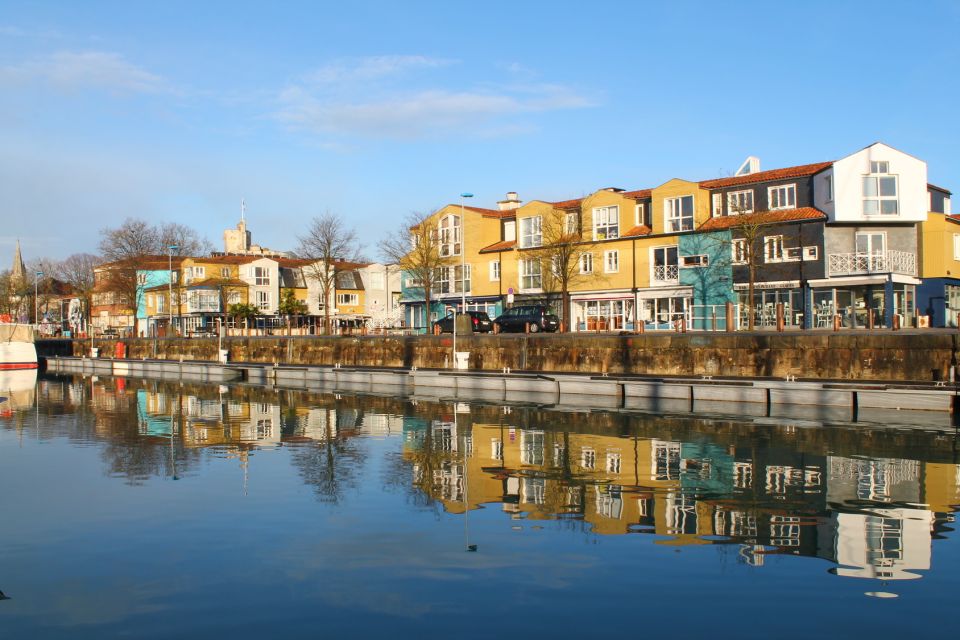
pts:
pixel 176 111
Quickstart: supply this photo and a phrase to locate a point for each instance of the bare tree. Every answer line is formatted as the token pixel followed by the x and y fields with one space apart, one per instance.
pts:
pixel 561 255
pixel 133 239
pixel 137 246
pixel 77 272
pixel 416 248
pixel 327 241
pixel 187 240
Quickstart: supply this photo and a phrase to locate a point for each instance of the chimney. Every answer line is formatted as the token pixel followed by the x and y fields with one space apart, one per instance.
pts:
pixel 511 202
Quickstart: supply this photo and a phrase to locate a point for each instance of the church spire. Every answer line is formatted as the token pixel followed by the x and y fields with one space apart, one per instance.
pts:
pixel 19 271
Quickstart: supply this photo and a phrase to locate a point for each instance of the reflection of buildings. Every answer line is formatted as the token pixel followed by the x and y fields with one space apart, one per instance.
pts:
pixel 862 514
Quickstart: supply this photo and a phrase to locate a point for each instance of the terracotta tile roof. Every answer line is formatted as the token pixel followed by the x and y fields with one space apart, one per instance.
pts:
pixel 567 204
pixel 763 217
pixel 764 176
pixel 640 194
pixel 933 186
pixel 506 245
pixel 639 230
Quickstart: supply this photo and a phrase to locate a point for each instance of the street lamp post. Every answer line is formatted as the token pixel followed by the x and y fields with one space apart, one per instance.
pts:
pixel 463 275
pixel 36 298
pixel 170 251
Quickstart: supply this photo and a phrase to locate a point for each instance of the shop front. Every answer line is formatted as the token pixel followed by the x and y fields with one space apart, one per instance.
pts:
pixel 603 312
pixel 766 297
pixel 660 308
pixel 864 302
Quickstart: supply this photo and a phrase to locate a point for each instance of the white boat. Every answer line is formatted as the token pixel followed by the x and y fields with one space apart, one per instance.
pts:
pixel 17 350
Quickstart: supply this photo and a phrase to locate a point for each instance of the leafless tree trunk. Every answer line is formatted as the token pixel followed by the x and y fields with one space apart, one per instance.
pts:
pixel 327 241
pixel 415 247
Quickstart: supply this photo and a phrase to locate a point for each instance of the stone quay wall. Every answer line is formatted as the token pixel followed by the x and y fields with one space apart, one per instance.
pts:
pixel 921 356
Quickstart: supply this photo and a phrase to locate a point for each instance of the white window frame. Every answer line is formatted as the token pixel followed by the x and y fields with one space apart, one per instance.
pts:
pixel 586 263
pixel 811 253
pixel 788 190
pixel 878 198
pixel 734 207
pixel 946 205
pixel 510 230
pixel 224 272
pixel 829 180
pixel 738 251
pixel 262 300
pixel 611 261
pixel 879 166
pixel 348 299
pixel 638 214
pixel 666 271
pixel 602 221
pixel 773 250
pixel 450 232
pixel 199 273
pixel 462 278
pixel 674 220
pixel 494 271
pixel 531 232
pixel 717 205
pixel 530 275
pixel 261 276
pixel 570 224
pixel 695 261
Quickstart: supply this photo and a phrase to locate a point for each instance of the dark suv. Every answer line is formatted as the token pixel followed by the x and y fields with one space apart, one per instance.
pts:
pixel 479 321
pixel 537 316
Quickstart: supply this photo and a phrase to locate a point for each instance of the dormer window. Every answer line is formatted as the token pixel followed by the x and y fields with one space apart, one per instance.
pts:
pixel 531 232
pixel 570 224
pixel 880 191
pixel 678 213
pixel 606 223
pixel 782 197
pixel 450 235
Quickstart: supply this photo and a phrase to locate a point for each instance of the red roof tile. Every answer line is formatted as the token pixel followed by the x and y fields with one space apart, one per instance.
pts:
pixel 764 176
pixel 763 217
pixel 640 194
pixel 639 230
pixel 506 245
pixel 567 204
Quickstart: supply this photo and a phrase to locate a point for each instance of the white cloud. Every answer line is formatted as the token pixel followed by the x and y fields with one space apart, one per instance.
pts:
pixel 360 99
pixel 371 68
pixel 71 70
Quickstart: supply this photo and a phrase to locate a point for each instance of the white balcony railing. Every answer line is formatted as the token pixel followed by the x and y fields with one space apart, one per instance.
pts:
pixel 847 264
pixel 665 273
pixel 199 303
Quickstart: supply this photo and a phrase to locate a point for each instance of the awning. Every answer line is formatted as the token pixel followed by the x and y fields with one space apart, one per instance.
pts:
pixel 580 297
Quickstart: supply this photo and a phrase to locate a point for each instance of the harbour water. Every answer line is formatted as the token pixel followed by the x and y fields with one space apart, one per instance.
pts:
pixel 160 509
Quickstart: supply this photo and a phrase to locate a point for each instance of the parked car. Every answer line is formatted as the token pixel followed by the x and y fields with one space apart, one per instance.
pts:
pixel 537 316
pixel 479 320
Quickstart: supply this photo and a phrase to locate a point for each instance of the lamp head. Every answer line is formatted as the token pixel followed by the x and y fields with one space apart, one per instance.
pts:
pixel 466 195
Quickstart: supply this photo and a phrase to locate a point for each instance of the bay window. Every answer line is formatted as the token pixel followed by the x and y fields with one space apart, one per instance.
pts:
pixel 531 232
pixel 606 223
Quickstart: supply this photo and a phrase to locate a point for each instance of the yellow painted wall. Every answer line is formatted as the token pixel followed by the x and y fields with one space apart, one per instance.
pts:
pixel 358 308
pixel 941 490
pixel 675 188
pixel 936 247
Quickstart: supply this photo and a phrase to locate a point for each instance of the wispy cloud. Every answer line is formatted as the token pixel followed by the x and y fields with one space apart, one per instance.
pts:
pixel 365 98
pixel 372 68
pixel 72 70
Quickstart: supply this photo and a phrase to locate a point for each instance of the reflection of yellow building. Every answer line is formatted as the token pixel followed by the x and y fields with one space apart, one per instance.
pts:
pixel 941 486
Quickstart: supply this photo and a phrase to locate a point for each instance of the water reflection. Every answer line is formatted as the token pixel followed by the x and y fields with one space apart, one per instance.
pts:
pixel 870 500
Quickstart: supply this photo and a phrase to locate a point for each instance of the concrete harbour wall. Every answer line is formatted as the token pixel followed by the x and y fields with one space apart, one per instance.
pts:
pixel 846 356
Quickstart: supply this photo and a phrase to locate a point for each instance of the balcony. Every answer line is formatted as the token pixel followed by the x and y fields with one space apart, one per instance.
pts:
pixel 203 303
pixel 851 264
pixel 665 274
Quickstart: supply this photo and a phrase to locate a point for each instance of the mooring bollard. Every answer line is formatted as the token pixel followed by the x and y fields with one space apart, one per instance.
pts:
pixel 729 316
pixel 870 319
pixel 836 322
pixel 780 319
pixel 896 322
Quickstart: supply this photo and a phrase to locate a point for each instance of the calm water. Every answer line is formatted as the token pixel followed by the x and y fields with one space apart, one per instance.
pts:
pixel 162 510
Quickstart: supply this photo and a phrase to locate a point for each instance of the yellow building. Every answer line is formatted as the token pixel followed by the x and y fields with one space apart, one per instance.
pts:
pixel 938 296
